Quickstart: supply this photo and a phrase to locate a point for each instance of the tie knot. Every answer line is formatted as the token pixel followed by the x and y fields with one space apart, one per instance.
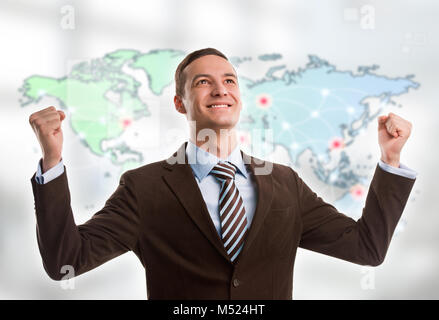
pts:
pixel 224 170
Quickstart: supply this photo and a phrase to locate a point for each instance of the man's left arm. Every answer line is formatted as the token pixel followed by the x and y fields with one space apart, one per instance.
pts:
pixel 365 241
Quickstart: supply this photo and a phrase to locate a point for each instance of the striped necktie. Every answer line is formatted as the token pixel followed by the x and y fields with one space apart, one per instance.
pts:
pixel 232 212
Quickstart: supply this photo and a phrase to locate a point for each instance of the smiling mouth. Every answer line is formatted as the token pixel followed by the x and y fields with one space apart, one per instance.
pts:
pixel 214 106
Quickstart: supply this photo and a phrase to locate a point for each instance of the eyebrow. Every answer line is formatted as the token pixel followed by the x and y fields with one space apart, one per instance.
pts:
pixel 209 76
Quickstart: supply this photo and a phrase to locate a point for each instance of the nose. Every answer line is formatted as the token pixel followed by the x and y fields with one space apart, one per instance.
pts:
pixel 219 90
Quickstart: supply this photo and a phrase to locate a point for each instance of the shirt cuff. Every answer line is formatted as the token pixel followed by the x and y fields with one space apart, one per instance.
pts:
pixel 50 174
pixel 403 170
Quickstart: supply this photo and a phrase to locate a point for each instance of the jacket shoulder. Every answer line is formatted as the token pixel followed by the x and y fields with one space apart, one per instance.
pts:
pixel 154 169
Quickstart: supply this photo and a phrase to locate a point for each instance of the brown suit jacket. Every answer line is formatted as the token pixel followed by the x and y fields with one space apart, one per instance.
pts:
pixel 159 213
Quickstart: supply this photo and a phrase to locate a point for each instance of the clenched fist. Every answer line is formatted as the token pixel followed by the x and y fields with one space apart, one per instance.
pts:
pixel 46 124
pixel 393 132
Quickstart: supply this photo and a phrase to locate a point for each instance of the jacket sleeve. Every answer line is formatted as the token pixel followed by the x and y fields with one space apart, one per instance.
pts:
pixel 365 241
pixel 111 231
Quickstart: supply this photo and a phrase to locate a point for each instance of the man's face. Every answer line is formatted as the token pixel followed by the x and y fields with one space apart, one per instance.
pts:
pixel 212 96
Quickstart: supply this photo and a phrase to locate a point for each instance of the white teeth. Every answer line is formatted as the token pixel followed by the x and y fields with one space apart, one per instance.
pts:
pixel 218 106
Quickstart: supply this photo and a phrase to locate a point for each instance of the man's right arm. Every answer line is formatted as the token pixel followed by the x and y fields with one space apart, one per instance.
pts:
pixel 110 232
pixel 364 241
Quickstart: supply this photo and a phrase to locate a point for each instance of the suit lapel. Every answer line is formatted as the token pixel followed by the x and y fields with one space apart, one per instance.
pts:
pixel 181 181
pixel 264 183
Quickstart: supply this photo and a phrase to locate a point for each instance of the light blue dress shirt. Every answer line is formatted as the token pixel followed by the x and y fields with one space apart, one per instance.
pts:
pixel 50 174
pixel 202 162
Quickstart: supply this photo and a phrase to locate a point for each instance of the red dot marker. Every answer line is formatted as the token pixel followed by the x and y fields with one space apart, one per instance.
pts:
pixel 336 143
pixel 263 100
pixel 357 192
pixel 126 122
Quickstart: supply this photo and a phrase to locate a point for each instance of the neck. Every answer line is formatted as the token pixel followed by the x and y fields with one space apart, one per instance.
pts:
pixel 220 143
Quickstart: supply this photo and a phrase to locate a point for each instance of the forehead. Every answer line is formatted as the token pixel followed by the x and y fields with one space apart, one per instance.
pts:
pixel 210 64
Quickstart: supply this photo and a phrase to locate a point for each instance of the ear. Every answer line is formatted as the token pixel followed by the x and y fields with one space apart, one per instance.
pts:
pixel 179 106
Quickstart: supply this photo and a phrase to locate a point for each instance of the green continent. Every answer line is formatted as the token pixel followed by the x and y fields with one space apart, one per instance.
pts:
pixel 36 87
pixel 160 66
pixel 93 117
pixel 119 57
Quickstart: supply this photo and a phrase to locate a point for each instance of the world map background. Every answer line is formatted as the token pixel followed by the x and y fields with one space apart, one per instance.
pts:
pixel 320 104
pixel 315 112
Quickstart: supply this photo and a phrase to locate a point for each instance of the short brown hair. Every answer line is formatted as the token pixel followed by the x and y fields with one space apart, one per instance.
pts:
pixel 180 77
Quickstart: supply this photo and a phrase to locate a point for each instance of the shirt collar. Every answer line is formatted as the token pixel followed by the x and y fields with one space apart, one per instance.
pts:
pixel 202 162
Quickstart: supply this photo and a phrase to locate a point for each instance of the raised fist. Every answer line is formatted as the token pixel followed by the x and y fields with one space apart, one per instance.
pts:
pixel 46 124
pixel 393 132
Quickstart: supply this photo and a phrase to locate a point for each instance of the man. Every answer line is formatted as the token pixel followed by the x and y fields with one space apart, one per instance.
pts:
pixel 212 222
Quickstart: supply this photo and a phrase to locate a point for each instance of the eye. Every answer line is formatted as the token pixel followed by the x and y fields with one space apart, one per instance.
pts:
pixel 202 81
pixel 230 81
